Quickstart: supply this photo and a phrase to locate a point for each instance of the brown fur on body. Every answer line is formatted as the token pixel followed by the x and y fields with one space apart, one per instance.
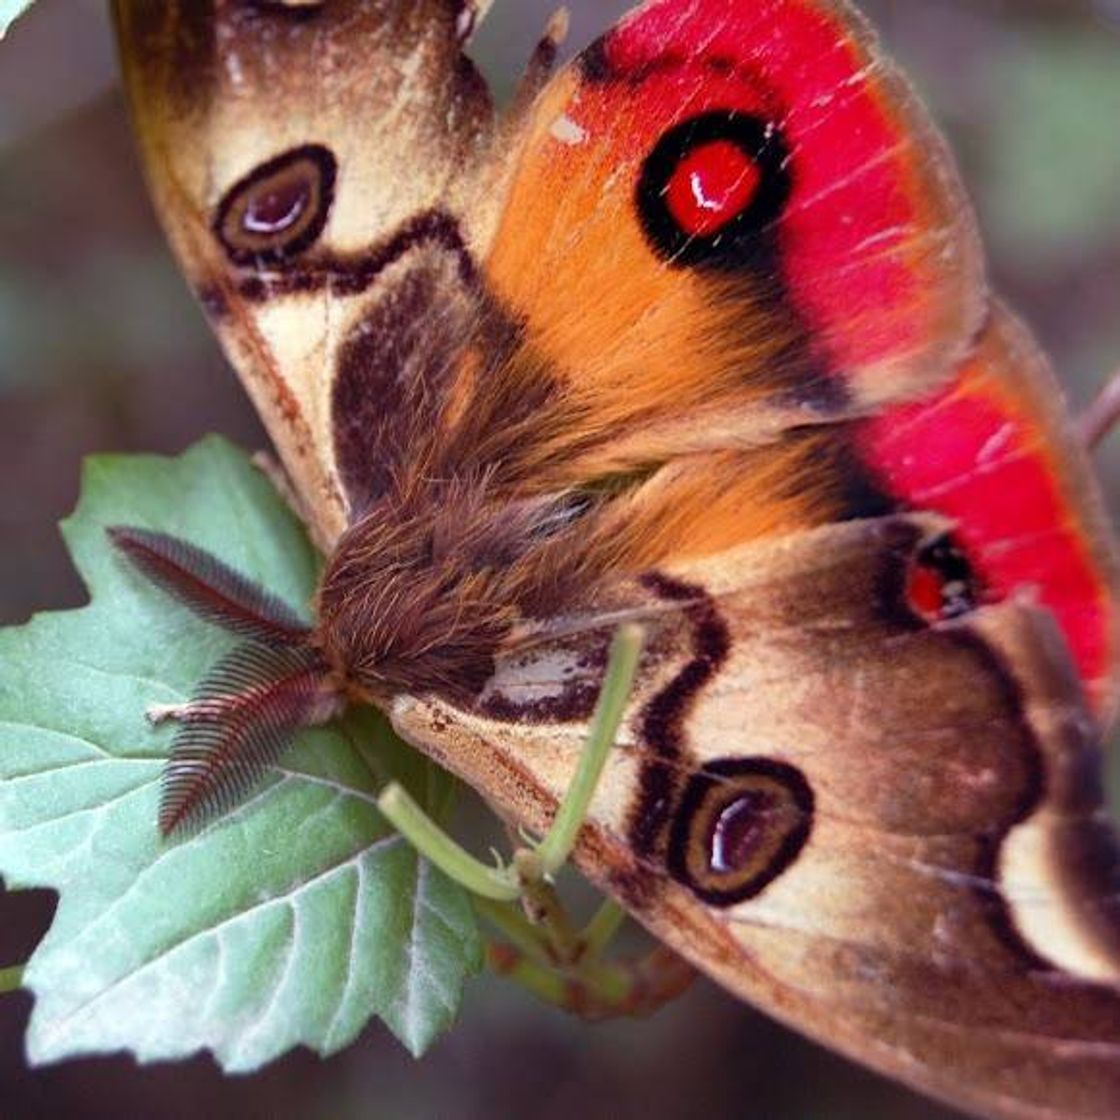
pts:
pixel 425 587
pixel 447 547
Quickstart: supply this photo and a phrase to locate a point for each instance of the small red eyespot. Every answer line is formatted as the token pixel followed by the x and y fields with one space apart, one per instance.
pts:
pixel 924 592
pixel 711 186
pixel 941 584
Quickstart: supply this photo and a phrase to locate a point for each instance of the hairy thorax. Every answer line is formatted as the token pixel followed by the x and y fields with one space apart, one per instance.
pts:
pixel 422 591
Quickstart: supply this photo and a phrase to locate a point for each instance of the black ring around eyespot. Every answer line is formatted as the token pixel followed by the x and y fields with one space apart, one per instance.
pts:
pixel 716 788
pixel 240 245
pixel 746 237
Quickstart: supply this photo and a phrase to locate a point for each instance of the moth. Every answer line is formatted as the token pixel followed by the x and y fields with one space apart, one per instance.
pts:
pixel 696 331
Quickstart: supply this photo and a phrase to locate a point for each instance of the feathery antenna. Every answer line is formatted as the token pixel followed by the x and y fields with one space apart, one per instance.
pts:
pixel 240 722
pixel 209 588
pixel 249 708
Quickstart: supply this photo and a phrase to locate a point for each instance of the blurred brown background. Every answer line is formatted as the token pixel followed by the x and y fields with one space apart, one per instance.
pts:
pixel 102 349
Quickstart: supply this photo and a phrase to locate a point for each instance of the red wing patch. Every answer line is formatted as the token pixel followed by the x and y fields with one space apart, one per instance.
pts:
pixel 988 453
pixel 862 233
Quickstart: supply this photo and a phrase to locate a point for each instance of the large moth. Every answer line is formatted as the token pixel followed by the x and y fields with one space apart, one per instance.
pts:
pixel 695 332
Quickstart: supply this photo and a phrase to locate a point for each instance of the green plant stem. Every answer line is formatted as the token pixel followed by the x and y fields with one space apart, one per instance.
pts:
pixel 508 885
pixel 437 846
pixel 626 649
pixel 601 930
pixel 510 921
pixel 11 979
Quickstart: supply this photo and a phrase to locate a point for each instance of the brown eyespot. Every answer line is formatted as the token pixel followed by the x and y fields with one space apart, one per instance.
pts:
pixel 741 823
pixel 279 209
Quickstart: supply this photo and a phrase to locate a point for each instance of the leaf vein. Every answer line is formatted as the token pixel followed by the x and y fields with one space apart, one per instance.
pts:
pixel 232 920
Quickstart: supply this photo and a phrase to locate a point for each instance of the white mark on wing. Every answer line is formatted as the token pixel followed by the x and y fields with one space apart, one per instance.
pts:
pixel 568 131
pixel 994 448
pixel 543 676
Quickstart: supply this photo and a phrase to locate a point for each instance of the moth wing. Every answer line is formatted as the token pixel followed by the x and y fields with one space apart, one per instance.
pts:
pixel 887 834
pixel 728 219
pixel 994 451
pixel 284 172
pixel 674 254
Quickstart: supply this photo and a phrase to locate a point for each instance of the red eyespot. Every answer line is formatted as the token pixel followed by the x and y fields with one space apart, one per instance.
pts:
pixel 941 583
pixel 713 190
pixel 712 185
pixel 924 591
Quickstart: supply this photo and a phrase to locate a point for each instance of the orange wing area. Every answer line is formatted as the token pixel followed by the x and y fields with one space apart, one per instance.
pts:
pixel 692 249
pixel 995 452
pixel 704 504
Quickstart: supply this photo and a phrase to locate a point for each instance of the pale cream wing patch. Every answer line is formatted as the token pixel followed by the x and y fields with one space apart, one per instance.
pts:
pixel 288 178
pixel 888 835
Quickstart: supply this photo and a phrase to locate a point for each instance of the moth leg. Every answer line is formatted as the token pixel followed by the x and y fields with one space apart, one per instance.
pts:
pixel 1102 415
pixel 589 987
pixel 539 69
pixel 543 907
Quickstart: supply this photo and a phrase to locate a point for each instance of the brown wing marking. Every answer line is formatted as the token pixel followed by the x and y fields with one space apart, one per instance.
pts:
pixel 664 718
pixel 887 834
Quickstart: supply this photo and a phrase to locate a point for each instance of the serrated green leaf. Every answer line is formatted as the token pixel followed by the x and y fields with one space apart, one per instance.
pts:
pixel 9 10
pixel 293 921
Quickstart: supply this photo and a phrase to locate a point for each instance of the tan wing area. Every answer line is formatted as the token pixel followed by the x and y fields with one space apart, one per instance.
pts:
pixel 887 834
pixel 288 177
